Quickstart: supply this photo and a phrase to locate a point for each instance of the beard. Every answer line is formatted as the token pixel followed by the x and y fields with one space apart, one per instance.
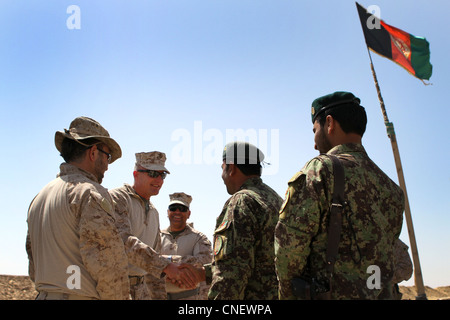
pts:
pixel 323 143
pixel 99 169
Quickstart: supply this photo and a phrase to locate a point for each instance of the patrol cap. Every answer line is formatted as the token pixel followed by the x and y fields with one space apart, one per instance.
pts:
pixel 332 100
pixel 82 128
pixel 154 160
pixel 239 152
pixel 180 198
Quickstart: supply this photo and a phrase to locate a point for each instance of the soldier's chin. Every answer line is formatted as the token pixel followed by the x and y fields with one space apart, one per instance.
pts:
pixel 155 191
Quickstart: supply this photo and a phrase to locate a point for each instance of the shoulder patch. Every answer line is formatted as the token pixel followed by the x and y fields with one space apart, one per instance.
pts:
pixel 106 205
pixel 223 226
pixel 218 242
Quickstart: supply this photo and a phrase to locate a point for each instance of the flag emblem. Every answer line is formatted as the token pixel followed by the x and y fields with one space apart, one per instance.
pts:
pixel 409 51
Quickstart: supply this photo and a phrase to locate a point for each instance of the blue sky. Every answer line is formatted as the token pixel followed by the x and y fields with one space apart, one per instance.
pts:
pixel 186 77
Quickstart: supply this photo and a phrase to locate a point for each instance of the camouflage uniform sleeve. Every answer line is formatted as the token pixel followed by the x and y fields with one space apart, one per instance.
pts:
pixel 102 249
pixel 234 251
pixel 208 273
pixel 202 252
pixel 139 253
pixel 403 264
pixel 298 223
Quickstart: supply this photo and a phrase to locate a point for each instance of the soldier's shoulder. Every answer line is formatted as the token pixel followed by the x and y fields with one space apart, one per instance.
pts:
pixel 250 196
pixel 120 197
pixel 269 191
pixel 313 167
pixel 95 195
pixel 202 237
pixel 243 195
pixel 193 230
pixel 119 192
pixel 85 188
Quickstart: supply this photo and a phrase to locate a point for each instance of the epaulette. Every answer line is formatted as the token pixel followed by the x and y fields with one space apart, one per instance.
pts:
pixel 319 158
pixel 295 177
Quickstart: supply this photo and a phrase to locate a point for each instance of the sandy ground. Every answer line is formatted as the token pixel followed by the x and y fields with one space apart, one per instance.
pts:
pixel 21 288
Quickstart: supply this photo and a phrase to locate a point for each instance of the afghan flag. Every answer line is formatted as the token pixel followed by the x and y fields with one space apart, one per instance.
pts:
pixel 410 52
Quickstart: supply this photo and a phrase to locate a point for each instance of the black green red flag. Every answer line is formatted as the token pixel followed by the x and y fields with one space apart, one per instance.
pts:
pixel 410 52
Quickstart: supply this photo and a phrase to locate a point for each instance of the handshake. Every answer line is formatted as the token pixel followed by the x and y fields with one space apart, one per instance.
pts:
pixel 185 276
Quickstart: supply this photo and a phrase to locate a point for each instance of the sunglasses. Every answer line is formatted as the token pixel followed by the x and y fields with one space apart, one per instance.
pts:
pixel 155 174
pixel 180 207
pixel 107 154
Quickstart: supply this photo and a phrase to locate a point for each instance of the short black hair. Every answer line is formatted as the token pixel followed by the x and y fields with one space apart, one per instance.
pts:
pixel 351 117
pixel 249 169
pixel 71 150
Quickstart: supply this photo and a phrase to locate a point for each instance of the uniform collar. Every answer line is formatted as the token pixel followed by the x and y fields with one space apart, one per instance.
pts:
pixel 66 169
pixel 347 148
pixel 251 182
pixel 130 190
pixel 186 230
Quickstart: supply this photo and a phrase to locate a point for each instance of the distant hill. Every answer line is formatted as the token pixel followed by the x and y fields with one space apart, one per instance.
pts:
pixel 22 288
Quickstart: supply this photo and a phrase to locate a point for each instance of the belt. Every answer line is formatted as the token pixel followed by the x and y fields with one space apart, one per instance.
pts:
pixel 44 295
pixel 182 294
pixel 135 280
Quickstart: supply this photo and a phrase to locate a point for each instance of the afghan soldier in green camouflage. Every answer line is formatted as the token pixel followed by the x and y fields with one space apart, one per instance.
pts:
pixel 372 216
pixel 243 266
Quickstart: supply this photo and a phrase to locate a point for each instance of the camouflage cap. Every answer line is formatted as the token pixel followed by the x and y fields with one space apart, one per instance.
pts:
pixel 154 160
pixel 239 152
pixel 82 128
pixel 180 198
pixel 330 101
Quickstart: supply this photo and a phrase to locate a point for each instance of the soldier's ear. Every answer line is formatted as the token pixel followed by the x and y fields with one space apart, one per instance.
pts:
pixel 91 153
pixel 232 169
pixel 330 124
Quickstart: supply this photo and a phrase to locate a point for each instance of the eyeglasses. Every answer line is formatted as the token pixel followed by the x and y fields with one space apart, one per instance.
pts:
pixel 180 207
pixel 154 173
pixel 107 154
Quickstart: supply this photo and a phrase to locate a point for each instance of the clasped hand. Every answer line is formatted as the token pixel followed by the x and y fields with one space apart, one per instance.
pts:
pixel 185 275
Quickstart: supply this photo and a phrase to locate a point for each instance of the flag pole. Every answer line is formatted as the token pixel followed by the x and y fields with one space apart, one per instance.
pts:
pixel 418 280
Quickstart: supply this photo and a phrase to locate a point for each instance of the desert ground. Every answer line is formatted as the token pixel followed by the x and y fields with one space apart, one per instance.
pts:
pixel 22 288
